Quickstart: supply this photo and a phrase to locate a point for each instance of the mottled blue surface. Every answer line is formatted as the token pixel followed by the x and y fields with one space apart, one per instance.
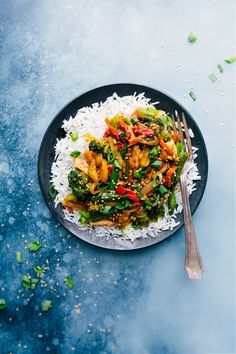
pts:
pixel 132 303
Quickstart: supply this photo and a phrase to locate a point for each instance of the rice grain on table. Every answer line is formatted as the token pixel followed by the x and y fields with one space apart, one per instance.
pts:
pixel 90 120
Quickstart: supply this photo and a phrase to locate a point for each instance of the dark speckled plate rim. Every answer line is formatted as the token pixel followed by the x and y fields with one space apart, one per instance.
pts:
pixel 136 245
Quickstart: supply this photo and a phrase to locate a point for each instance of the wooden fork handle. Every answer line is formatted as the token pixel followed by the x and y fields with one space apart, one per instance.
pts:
pixel 193 262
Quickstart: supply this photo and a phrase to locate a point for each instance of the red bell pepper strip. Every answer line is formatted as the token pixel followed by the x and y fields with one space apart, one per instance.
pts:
pixel 143 131
pixel 128 193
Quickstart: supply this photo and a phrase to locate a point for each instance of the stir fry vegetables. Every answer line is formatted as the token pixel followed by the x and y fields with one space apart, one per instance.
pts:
pixel 128 176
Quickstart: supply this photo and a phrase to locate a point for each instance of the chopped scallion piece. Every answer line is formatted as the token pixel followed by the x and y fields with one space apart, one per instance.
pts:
pixel 39 270
pixel 52 191
pixel 127 121
pixel 46 305
pixel 220 68
pixel 116 164
pixel 212 77
pixel 28 282
pixel 156 164
pixel 134 120
pixel 74 136
pixel 192 95
pixel 34 246
pixel 84 216
pixel 192 38
pixel 106 209
pixel 19 257
pixel 75 153
pixel 3 304
pixel 69 282
pixel 163 190
pixel 231 59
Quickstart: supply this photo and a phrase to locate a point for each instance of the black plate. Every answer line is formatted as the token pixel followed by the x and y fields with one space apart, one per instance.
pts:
pixel 54 131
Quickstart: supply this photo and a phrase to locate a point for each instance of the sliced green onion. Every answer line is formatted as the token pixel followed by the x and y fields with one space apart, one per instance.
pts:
pixel 220 68
pixel 19 257
pixel 34 246
pixel 75 153
pixel 74 136
pixel 134 120
pixel 34 282
pixel 116 164
pixel 156 164
pixel 3 304
pixel 163 190
pixel 84 216
pixel 192 38
pixel 39 270
pixel 212 77
pixel 114 121
pixel 231 59
pixel 46 305
pixel 106 209
pixel 127 120
pixel 52 191
pixel 69 282
pixel 192 95
pixel 28 282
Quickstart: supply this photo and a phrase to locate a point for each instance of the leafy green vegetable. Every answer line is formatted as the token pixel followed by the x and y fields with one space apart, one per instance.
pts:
pixel 156 164
pixel 69 282
pixel 122 204
pixel 19 257
pixel 107 197
pixel 75 153
pixel 3 304
pixel 52 191
pixel 34 246
pixel 78 183
pixel 154 153
pixel 74 136
pixel 39 270
pixel 192 38
pixel 231 59
pixel 46 305
pixel 192 95
pixel 179 169
pixel 220 68
pixel 212 77
pixel 113 178
pixel 180 149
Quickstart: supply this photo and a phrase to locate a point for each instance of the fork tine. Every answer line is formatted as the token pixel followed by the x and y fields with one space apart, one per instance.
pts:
pixel 188 139
pixel 181 136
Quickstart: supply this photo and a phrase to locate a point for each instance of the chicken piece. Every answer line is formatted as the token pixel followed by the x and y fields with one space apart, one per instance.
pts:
pixel 81 164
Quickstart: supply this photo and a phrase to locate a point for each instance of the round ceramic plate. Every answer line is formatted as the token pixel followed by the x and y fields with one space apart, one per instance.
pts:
pixel 54 131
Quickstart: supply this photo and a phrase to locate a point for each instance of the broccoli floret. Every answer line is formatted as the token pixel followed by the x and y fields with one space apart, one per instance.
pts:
pixel 78 183
pixel 96 146
pixel 140 221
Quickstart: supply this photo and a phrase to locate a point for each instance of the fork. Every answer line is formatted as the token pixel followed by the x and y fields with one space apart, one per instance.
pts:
pixel 193 262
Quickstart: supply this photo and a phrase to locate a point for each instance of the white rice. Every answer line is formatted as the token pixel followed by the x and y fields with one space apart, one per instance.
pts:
pixel 90 120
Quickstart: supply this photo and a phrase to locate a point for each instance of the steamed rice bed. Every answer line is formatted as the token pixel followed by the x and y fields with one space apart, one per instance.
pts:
pixel 90 120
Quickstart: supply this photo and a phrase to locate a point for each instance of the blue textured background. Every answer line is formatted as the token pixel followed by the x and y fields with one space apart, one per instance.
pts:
pixel 132 303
